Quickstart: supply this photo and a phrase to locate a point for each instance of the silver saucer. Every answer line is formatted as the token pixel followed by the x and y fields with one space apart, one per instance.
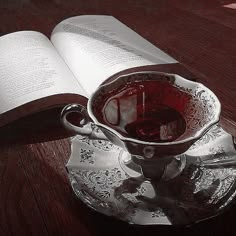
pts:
pixel 204 189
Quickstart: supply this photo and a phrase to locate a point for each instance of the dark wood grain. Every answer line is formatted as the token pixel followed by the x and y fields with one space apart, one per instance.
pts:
pixel 19 208
pixel 35 193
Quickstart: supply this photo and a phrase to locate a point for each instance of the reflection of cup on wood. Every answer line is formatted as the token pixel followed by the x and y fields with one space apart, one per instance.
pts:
pixel 149 114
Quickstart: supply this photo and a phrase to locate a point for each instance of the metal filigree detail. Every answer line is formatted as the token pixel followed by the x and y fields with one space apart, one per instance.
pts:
pixel 103 179
pixel 205 187
pixel 87 156
pixel 214 133
pixel 103 145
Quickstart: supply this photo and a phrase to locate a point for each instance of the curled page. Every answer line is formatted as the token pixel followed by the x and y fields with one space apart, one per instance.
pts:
pixel 97 47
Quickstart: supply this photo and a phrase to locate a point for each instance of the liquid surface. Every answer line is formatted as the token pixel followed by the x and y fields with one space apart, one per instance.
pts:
pixel 161 124
pixel 147 111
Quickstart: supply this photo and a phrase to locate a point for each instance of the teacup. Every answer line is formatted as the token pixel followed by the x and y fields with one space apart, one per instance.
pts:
pixel 151 115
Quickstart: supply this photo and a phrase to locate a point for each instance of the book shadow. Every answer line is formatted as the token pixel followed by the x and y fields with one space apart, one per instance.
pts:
pixel 43 126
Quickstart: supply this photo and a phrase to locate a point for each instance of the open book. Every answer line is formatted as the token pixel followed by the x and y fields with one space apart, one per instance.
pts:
pixel 38 74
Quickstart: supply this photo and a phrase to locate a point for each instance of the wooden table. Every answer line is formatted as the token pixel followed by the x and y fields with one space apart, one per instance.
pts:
pixel 35 194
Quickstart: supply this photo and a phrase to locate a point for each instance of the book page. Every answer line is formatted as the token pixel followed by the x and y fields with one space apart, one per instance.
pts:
pixel 30 69
pixel 96 47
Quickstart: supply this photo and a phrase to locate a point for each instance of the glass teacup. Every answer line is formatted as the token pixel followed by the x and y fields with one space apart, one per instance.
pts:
pixel 153 116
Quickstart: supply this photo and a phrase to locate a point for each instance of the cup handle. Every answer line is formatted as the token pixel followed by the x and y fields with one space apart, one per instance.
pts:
pixel 84 129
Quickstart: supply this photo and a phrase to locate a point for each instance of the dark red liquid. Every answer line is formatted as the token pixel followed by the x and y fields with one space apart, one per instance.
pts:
pixel 161 124
pixel 147 110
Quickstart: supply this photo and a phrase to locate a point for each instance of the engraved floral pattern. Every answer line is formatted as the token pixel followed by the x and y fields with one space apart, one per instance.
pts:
pixel 99 144
pixel 205 189
pixel 202 108
pixel 103 145
pixel 214 133
pixel 220 181
pixel 103 179
pixel 87 156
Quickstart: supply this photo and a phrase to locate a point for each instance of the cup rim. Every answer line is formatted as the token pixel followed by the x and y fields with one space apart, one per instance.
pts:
pixel 197 135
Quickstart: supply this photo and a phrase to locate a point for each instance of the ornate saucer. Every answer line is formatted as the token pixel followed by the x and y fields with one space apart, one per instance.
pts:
pixel 204 188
